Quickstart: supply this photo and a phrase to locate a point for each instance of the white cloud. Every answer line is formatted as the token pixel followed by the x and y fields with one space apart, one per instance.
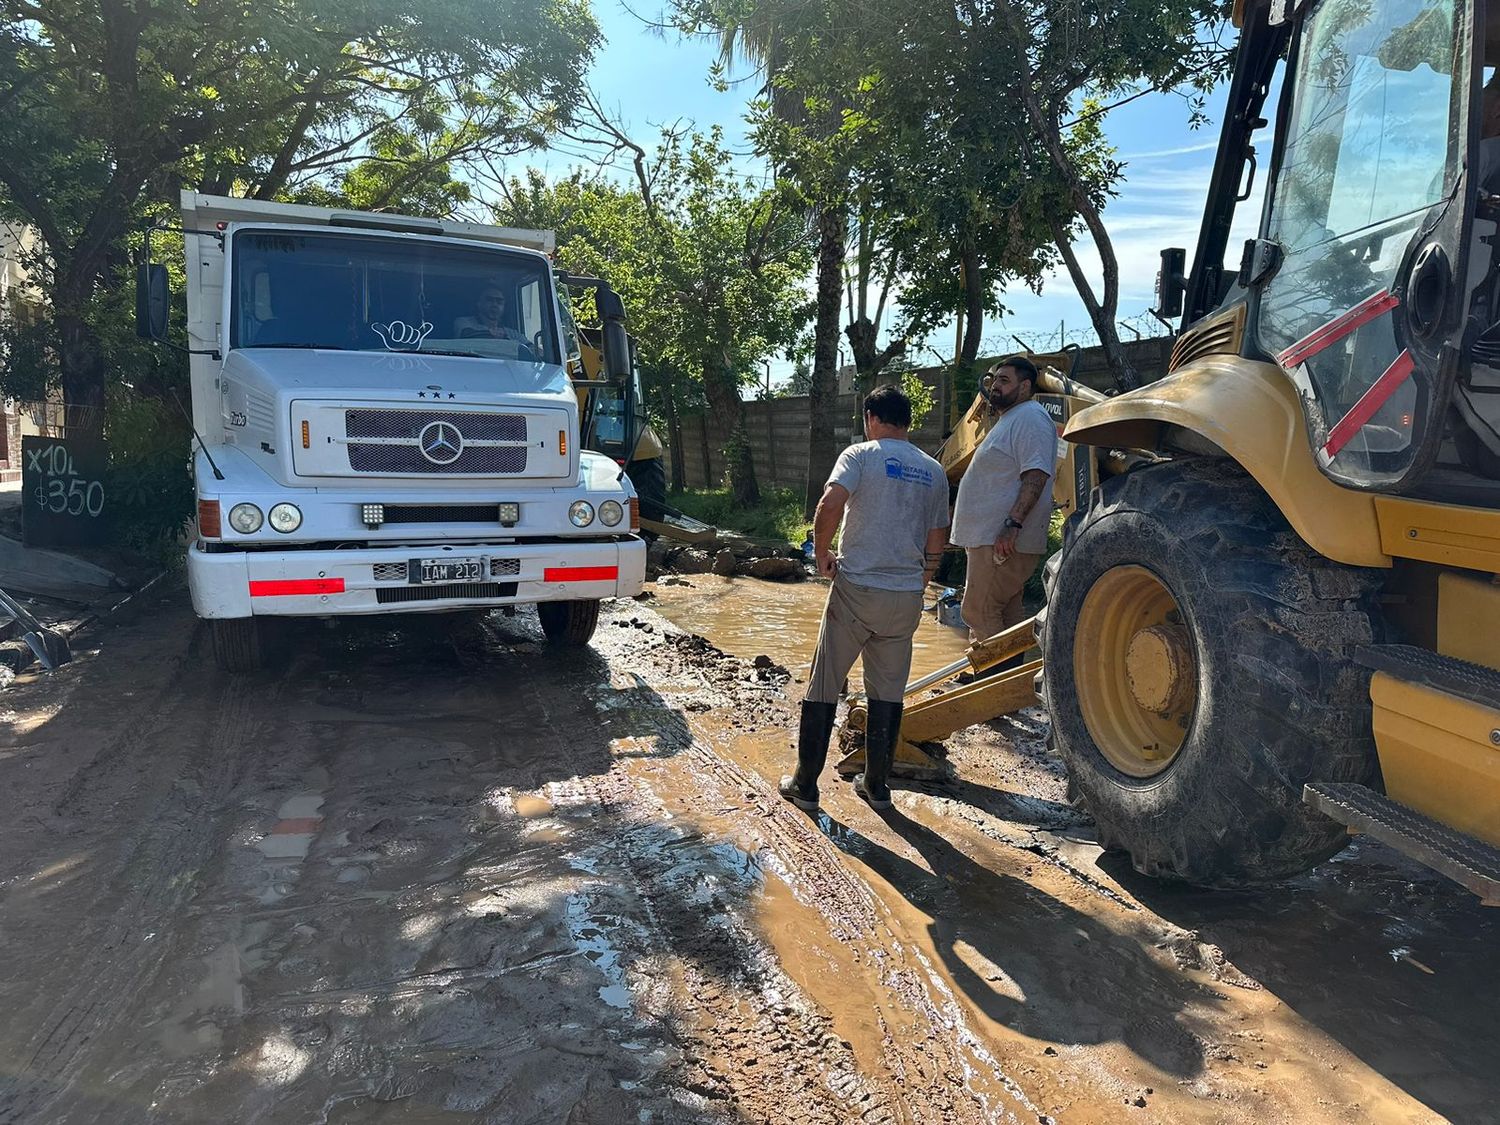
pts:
pixel 1206 146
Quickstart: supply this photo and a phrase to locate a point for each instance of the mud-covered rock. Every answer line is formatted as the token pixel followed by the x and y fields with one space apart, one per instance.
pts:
pixel 752 551
pixel 692 561
pixel 725 563
pixel 777 570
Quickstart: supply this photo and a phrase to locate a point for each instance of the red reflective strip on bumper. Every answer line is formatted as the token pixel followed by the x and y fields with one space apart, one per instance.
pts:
pixel 1335 330
pixel 580 574
pixel 281 589
pixel 1371 401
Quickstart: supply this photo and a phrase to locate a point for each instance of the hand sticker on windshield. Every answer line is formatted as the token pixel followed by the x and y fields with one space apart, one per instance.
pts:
pixel 398 336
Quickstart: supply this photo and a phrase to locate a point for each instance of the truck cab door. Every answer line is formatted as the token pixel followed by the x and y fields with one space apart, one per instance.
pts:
pixel 1368 221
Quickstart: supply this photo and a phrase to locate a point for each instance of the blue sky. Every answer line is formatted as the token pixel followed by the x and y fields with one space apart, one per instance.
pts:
pixel 647 78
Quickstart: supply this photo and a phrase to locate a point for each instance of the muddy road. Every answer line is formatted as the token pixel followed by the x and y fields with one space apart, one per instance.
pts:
pixel 417 874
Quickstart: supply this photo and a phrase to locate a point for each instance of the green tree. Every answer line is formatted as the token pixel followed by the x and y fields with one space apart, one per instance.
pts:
pixel 709 265
pixel 1070 63
pixel 106 105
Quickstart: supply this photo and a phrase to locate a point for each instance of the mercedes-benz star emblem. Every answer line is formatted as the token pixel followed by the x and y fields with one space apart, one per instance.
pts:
pixel 440 442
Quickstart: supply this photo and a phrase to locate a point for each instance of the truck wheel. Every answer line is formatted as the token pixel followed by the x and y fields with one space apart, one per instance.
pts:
pixel 569 623
pixel 238 644
pixel 650 480
pixel 1199 670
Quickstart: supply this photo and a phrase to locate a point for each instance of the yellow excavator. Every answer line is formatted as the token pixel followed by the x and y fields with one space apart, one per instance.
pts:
pixel 1284 625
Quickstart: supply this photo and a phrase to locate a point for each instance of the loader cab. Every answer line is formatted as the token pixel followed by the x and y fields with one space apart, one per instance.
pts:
pixel 1372 281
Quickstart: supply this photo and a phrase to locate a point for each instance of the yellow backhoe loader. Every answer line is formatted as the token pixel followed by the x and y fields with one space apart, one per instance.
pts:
pixel 615 423
pixel 1287 628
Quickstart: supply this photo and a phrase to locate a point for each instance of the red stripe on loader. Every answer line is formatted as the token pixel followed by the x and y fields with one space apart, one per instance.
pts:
pixel 1336 329
pixel 1372 400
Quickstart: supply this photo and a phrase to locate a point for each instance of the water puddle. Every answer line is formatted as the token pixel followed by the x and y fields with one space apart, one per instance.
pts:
pixel 747 617
pixel 529 806
pixel 591 934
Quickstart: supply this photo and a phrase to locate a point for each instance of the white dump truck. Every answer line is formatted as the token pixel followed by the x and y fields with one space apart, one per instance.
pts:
pixel 387 421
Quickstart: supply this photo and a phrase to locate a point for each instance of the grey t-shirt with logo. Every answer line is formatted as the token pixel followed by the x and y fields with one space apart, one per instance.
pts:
pixel 897 494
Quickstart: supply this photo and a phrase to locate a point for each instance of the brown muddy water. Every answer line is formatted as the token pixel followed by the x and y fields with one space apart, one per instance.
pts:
pixel 748 617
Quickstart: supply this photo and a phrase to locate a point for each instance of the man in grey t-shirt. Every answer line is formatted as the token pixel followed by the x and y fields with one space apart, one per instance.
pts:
pixel 893 501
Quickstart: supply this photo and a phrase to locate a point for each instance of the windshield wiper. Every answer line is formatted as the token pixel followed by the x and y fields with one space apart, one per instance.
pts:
pixel 304 347
pixel 440 351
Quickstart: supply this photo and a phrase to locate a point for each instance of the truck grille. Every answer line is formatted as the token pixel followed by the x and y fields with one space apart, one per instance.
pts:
pixel 390 572
pixel 442 513
pixel 465 591
pixel 389 441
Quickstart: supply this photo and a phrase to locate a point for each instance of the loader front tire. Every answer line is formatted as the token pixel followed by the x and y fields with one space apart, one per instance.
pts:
pixel 238 644
pixel 570 624
pixel 1199 671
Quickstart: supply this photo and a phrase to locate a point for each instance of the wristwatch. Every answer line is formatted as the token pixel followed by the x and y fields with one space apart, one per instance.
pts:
pixel 1017 524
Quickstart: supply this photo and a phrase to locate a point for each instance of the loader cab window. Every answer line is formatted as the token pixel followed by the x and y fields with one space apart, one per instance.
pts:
pixel 344 292
pixel 1373 143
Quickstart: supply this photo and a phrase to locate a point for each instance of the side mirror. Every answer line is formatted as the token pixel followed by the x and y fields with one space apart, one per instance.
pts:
pixel 1171 282
pixel 153 301
pixel 616 341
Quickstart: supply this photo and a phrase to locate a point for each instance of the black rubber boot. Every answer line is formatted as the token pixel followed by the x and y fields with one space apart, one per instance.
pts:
pixel 882 728
pixel 801 788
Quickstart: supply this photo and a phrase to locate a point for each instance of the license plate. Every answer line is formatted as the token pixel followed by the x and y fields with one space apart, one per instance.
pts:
pixel 427 571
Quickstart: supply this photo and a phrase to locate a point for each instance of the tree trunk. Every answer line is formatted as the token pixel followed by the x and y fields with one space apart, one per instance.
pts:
pixel 1103 316
pixel 674 438
pixel 79 359
pixel 727 414
pixel 973 306
pixel 822 442
pixel 1104 307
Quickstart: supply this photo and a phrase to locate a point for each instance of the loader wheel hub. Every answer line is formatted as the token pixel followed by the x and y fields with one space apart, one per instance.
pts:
pixel 1156 663
pixel 1135 670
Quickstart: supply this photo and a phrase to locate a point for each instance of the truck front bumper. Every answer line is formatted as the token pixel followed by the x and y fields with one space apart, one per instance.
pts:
pixel 318 583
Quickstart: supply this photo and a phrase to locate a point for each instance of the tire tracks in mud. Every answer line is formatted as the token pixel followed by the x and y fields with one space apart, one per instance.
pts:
pixel 736 998
pixel 125 933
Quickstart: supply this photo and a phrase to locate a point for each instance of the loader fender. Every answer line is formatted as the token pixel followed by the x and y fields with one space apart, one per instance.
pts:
pixel 1224 405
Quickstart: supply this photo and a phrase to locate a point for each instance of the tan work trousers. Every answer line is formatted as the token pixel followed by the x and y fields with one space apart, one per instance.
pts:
pixel 863 621
pixel 992 591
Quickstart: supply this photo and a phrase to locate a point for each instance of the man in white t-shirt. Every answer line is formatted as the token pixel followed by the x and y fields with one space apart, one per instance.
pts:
pixel 1004 501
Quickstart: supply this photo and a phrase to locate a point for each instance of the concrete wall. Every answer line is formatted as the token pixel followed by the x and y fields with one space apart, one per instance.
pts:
pixel 777 428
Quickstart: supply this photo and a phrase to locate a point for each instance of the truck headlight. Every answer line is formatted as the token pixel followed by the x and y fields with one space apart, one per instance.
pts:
pixel 285 518
pixel 610 513
pixel 581 513
pixel 245 518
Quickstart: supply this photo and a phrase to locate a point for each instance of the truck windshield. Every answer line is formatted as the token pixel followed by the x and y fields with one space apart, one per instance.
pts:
pixel 348 292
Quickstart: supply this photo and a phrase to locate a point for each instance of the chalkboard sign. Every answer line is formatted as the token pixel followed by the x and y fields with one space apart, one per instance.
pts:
pixel 62 491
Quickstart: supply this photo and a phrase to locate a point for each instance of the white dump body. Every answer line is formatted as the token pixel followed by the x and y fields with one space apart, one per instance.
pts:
pixel 376 436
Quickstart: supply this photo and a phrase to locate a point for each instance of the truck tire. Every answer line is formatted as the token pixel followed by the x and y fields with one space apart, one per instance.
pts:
pixel 650 480
pixel 1199 671
pixel 238 644
pixel 569 623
